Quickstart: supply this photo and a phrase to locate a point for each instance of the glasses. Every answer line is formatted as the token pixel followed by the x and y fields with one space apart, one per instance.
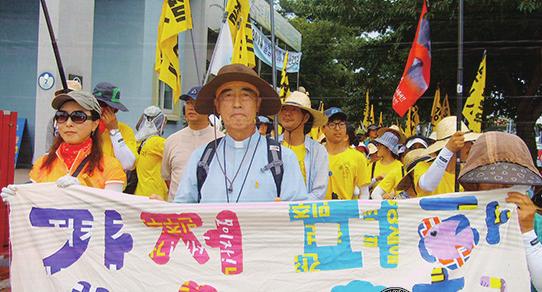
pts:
pixel 77 117
pixel 337 125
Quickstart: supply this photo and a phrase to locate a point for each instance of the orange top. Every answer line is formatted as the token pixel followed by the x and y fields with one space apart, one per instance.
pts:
pixel 112 171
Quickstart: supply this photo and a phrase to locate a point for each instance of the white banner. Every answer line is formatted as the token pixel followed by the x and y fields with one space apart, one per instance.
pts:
pixel 84 239
pixel 263 47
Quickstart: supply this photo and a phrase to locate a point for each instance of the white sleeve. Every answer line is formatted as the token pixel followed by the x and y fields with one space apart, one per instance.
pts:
pixel 430 180
pixel 122 152
pixel 364 193
pixel 377 193
pixel 115 187
pixel 533 248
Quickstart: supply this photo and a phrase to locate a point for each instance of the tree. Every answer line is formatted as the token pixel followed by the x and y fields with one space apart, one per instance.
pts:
pixel 376 40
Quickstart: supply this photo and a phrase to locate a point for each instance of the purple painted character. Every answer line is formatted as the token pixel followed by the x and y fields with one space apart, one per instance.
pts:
pixel 449 241
pixel 79 222
pixel 116 242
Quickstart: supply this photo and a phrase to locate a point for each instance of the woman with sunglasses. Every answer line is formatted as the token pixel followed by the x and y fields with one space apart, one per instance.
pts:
pixel 76 156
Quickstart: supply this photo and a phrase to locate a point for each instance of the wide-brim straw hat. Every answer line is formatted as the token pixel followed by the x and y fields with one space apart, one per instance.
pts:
pixel 444 131
pixel 394 129
pixel 500 158
pixel 372 148
pixel 302 101
pixel 270 104
pixel 411 159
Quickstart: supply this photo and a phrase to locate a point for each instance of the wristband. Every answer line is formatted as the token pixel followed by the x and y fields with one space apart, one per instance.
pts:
pixel 114 132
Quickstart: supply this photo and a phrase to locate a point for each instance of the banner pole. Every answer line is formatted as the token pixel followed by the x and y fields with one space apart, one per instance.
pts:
pixel 55 46
pixel 273 61
pixel 195 58
pixel 459 89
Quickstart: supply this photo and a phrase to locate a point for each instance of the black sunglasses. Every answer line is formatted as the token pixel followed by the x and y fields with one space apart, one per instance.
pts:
pixel 77 117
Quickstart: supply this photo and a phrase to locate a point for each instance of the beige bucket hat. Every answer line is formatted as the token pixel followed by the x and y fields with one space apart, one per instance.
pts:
pixel 302 101
pixel 444 131
pixel 500 158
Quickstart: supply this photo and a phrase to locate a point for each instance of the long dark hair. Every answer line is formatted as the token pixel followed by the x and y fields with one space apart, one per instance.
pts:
pixel 95 157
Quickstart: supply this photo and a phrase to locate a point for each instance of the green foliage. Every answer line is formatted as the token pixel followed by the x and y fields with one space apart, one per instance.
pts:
pixel 364 44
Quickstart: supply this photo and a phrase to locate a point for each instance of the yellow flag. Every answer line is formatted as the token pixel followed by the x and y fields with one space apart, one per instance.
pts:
pixel 416 115
pixel 175 18
pixel 284 83
pixel 474 106
pixel 237 11
pixel 316 132
pixel 408 126
pixel 436 110
pixel 241 32
pixel 445 107
pixel 372 115
pixel 380 120
pixel 366 111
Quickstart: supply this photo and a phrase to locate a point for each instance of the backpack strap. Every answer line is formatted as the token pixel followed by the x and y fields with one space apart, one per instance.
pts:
pixel 402 171
pixel 373 166
pixel 204 162
pixel 80 167
pixel 274 157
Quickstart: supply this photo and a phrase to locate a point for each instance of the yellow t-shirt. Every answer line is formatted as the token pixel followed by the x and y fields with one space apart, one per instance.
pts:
pixel 383 170
pixel 346 170
pixel 112 171
pixel 446 185
pixel 149 167
pixel 127 135
pixel 391 180
pixel 300 153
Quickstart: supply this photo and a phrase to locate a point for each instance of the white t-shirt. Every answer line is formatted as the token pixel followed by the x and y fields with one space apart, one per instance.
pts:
pixel 177 150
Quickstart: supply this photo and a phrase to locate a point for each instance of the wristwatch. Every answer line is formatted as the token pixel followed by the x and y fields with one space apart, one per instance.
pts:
pixel 113 132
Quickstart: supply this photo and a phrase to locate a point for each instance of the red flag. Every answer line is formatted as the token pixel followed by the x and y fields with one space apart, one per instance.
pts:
pixel 415 80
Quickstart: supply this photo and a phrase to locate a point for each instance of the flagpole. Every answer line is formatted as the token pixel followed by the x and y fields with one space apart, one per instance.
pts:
pixel 208 73
pixel 55 46
pixel 459 89
pixel 273 61
pixel 195 58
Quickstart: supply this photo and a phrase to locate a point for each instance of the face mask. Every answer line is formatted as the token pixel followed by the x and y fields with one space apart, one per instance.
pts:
pixel 151 123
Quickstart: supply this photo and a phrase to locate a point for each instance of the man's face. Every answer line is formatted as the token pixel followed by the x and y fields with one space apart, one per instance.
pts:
pixel 335 131
pixel 237 102
pixel 291 117
pixel 373 134
pixel 263 129
pixel 190 113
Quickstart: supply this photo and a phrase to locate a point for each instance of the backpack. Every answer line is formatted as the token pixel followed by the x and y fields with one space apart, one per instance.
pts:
pixel 131 176
pixel 274 158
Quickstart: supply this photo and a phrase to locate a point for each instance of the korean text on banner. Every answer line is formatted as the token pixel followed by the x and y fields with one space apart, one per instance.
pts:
pixel 83 237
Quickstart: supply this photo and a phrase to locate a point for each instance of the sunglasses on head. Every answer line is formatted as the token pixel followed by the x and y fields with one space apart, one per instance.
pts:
pixel 77 117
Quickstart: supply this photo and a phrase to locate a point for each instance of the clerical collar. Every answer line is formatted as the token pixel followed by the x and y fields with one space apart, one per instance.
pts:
pixel 241 144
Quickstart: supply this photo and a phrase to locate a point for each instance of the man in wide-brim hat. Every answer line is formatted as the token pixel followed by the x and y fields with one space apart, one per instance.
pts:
pixel 439 178
pixel 297 118
pixel 239 170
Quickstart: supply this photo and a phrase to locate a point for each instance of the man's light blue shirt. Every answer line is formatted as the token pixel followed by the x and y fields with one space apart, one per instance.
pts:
pixel 250 185
pixel 316 168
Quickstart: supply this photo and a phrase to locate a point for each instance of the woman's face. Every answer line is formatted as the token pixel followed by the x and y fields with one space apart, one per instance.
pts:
pixel 383 151
pixel 75 133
